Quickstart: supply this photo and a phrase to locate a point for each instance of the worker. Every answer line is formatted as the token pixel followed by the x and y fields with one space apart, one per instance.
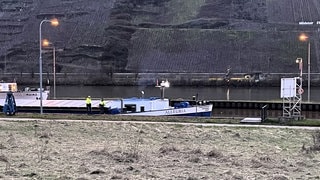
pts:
pixel 88 103
pixel 102 106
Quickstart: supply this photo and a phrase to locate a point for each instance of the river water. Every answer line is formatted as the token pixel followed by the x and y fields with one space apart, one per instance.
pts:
pixel 204 93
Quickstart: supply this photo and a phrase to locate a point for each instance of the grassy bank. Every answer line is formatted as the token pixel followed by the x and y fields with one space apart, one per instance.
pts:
pixel 270 121
pixel 95 150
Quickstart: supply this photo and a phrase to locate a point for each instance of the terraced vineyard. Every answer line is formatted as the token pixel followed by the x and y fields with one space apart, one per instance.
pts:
pixel 207 36
pixel 293 11
pixel 213 51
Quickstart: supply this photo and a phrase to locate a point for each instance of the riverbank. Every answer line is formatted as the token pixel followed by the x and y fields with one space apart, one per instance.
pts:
pixel 150 79
pixel 116 150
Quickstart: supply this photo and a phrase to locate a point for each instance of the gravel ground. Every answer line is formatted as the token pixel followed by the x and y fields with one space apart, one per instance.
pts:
pixel 115 150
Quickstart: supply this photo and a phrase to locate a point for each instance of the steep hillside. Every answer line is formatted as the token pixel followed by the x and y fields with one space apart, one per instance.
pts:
pixel 196 36
pixel 246 36
pixel 79 37
pixel 180 50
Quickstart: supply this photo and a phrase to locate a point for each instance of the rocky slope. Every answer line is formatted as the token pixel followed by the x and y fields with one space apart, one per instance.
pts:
pixel 196 36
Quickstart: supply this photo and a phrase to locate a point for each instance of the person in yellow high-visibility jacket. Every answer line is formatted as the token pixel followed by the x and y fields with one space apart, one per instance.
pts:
pixel 102 106
pixel 88 103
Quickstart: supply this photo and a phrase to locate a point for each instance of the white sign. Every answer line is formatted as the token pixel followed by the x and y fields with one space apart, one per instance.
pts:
pixel 8 87
pixel 288 87
pixel 309 23
pixel 305 23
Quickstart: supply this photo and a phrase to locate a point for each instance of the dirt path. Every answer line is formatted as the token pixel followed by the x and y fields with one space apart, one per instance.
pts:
pixel 60 149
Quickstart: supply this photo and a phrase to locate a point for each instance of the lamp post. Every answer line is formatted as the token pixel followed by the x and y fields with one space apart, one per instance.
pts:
pixel 54 72
pixel 304 38
pixel 300 62
pixel 46 43
pixel 300 90
pixel 54 22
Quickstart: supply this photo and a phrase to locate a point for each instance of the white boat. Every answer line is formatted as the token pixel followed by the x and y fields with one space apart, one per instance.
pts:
pixel 28 101
pixel 157 107
pixel 27 93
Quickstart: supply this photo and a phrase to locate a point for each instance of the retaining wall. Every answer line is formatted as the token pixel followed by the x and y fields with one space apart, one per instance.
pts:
pixel 135 79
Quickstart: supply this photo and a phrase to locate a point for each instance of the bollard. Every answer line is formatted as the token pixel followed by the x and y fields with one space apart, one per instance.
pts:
pixel 264 111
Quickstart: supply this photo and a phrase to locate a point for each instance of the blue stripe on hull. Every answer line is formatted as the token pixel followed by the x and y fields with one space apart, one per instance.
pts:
pixel 202 114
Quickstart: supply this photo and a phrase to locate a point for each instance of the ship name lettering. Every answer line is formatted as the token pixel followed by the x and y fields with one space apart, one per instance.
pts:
pixel 175 111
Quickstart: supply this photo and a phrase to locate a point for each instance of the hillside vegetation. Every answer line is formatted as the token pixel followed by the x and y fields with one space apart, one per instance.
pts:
pixel 197 36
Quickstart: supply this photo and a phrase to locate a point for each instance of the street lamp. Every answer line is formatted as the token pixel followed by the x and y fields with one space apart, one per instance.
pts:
pixel 300 62
pixel 54 22
pixel 46 43
pixel 303 37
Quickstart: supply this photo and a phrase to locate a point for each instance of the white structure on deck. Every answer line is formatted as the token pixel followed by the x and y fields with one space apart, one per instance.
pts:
pixel 27 93
pixel 140 104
